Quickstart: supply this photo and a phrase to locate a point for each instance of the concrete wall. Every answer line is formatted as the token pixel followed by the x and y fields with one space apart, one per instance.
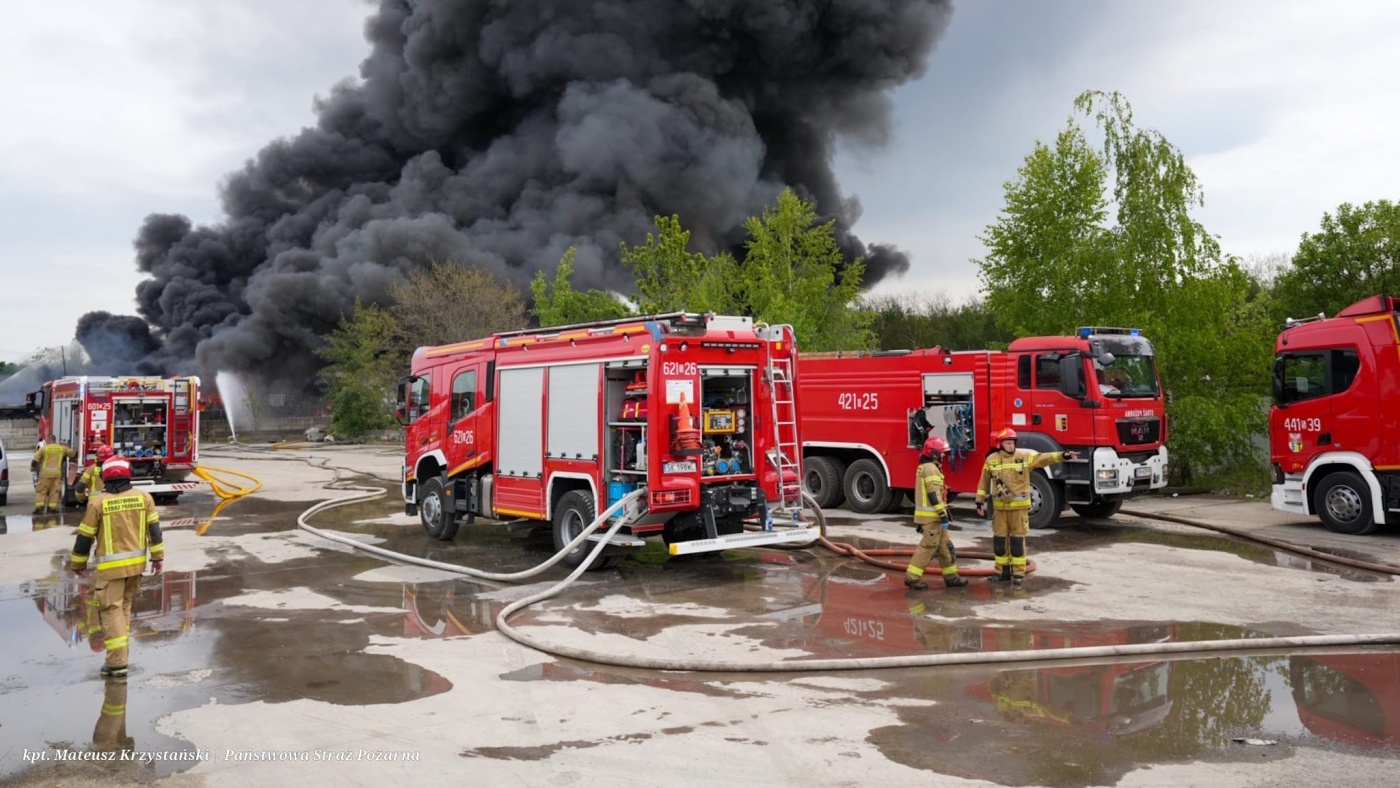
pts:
pixel 19 435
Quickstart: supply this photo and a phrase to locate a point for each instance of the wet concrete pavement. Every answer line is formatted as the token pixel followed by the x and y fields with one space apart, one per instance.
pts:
pixel 265 655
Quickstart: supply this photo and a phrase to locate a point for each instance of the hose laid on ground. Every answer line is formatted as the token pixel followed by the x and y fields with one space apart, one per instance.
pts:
pixel 1354 563
pixel 369 494
pixel 1088 654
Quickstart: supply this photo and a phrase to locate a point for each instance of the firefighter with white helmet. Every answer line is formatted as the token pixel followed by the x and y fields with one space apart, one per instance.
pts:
pixel 122 530
pixel 1006 479
pixel 931 518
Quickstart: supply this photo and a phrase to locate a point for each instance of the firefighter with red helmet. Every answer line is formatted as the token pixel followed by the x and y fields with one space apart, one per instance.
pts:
pixel 931 518
pixel 1006 479
pixel 122 529
pixel 91 480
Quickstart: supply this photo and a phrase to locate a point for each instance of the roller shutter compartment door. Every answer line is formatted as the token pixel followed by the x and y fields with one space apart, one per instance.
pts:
pixel 520 431
pixel 573 412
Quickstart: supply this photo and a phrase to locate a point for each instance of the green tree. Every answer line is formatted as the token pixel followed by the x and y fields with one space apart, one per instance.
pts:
pixel 1355 254
pixel 361 368
pixel 923 321
pixel 7 369
pixel 1055 261
pixel 558 303
pixel 794 273
pixel 447 302
pixel 671 278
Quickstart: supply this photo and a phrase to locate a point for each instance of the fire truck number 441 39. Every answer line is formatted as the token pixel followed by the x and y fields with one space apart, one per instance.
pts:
pixel 851 400
pixel 1303 425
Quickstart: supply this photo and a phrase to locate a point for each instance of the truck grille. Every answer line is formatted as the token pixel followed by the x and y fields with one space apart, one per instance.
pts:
pixel 1132 432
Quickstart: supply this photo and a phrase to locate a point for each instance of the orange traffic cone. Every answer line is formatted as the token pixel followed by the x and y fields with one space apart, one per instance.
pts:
pixel 687 436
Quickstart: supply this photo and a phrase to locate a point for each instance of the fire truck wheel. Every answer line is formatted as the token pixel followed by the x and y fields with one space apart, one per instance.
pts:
pixel 1099 510
pixel 823 480
pixel 165 499
pixel 433 510
pixel 866 488
pixel 1046 500
pixel 1343 501
pixel 572 514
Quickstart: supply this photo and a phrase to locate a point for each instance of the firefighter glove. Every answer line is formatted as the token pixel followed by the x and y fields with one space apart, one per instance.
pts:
pixel 157 566
pixel 981 509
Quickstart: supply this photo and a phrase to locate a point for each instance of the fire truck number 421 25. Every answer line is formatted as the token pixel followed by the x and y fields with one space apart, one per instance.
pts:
pixel 858 401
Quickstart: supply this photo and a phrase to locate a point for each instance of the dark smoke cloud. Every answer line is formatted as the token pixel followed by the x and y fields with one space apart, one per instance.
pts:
pixel 499 134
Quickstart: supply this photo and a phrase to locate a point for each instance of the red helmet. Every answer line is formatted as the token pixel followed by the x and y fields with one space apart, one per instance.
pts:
pixel 1007 434
pixel 104 453
pixel 935 446
pixel 116 467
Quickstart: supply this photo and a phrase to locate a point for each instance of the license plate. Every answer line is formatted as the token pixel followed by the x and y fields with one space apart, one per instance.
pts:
pixel 1142 473
pixel 684 466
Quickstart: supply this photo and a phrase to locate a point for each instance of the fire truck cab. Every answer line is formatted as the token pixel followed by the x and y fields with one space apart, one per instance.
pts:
pixel 557 424
pixel 153 422
pixel 866 415
pixel 1334 418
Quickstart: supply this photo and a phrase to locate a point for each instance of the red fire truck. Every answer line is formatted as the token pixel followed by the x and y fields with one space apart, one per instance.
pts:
pixel 153 422
pixel 1350 698
pixel 556 424
pixel 865 416
pixel 1333 423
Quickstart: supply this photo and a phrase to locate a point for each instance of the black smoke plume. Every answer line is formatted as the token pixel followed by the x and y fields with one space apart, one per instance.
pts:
pixel 500 132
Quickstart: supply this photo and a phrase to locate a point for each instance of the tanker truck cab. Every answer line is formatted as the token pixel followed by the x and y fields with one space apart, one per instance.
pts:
pixel 1097 392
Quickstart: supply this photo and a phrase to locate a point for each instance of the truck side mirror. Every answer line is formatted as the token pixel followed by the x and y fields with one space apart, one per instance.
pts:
pixel 401 401
pixel 1072 376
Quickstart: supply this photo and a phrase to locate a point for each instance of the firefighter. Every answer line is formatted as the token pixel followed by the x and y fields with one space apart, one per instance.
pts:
pixel 91 480
pixel 48 461
pixel 1006 479
pixel 931 518
pixel 125 527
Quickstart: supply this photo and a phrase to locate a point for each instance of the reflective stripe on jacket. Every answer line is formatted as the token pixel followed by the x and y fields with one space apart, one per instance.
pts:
pixel 929 496
pixel 1006 478
pixel 120 526
pixel 50 459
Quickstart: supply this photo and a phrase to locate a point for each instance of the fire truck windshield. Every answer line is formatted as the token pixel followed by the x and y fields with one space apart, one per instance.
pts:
pixel 1129 376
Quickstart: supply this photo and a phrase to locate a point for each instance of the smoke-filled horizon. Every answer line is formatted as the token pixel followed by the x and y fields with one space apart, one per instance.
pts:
pixel 498 134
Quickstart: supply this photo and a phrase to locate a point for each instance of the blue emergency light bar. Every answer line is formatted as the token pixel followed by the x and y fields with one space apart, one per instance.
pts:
pixel 1085 331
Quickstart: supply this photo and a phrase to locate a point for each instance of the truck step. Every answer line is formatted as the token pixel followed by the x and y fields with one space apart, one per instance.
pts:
pixel 745 539
pixel 619 540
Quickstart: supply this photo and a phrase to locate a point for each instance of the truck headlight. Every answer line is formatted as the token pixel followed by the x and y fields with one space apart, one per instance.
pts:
pixel 1110 475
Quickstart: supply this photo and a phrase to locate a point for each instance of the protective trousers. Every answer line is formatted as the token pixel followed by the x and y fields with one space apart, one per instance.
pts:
pixel 1009 529
pixel 937 542
pixel 47 492
pixel 114 598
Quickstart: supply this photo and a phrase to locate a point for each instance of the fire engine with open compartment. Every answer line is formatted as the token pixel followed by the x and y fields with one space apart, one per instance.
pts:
pixel 556 424
pixel 152 421
pixel 865 415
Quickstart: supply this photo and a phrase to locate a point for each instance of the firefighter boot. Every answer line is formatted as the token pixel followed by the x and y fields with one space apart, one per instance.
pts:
pixel 954 581
pixel 1004 576
pixel 915 584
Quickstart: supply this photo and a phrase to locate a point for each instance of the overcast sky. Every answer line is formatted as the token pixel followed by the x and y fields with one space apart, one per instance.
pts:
pixel 116 110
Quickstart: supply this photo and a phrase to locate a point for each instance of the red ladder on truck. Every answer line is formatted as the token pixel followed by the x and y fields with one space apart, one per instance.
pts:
pixel 787 455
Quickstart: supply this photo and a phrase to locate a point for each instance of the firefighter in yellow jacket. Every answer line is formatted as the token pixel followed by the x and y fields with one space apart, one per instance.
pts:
pixel 91 480
pixel 1006 479
pixel 931 518
pixel 122 529
pixel 48 461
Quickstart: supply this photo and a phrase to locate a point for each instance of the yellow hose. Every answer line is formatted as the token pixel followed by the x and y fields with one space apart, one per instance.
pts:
pixel 224 487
